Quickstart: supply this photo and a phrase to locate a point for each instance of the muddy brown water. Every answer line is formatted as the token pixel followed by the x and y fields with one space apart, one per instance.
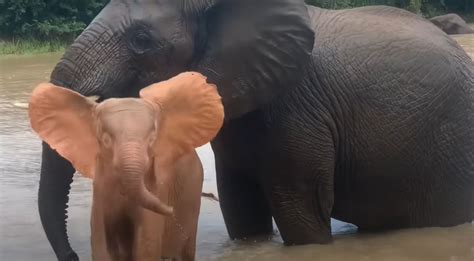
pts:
pixel 22 237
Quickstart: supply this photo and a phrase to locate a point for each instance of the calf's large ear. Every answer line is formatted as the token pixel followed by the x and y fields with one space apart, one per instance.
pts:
pixel 190 113
pixel 253 49
pixel 64 119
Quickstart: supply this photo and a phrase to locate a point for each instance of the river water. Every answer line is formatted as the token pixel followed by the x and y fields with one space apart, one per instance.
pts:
pixel 22 237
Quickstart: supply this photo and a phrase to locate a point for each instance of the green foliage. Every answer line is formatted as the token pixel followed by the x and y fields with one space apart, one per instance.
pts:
pixel 46 19
pixel 332 4
pixel 414 6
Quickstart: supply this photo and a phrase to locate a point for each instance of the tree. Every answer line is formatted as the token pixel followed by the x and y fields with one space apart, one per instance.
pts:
pixel 46 19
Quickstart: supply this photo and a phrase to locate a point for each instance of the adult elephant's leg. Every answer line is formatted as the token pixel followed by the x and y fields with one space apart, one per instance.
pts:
pixel 237 151
pixel 55 181
pixel 300 180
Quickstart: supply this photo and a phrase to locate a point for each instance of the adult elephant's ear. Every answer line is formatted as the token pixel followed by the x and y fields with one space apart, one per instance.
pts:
pixel 255 49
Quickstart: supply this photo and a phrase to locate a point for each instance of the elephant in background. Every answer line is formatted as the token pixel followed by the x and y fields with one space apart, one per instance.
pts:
pixel 364 115
pixel 140 154
pixel 452 24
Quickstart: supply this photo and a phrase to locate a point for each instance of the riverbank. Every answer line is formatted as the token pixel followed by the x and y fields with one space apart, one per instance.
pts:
pixel 31 46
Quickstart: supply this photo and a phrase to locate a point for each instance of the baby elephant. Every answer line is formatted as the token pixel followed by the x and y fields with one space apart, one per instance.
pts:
pixel 140 153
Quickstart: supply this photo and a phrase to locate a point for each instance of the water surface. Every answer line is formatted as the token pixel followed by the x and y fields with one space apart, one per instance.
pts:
pixel 22 237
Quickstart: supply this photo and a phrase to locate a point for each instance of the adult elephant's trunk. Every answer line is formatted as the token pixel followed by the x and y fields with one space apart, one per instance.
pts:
pixel 55 180
pixel 133 169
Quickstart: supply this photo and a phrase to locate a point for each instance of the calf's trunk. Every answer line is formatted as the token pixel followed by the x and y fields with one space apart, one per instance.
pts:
pixel 134 168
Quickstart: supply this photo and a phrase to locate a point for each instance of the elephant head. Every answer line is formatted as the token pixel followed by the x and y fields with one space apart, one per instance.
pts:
pixel 124 137
pixel 252 50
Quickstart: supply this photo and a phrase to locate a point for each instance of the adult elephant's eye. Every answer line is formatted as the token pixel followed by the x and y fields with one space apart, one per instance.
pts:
pixel 141 42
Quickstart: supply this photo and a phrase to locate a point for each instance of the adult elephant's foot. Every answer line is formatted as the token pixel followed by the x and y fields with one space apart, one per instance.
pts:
pixel 245 209
pixel 69 256
pixel 300 183
pixel 244 206
pixel 299 218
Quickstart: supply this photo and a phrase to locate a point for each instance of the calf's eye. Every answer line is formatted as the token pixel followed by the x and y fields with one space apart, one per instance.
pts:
pixel 106 140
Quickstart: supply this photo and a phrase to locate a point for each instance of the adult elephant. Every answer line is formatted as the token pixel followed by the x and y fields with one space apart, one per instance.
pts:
pixel 365 115
pixel 452 24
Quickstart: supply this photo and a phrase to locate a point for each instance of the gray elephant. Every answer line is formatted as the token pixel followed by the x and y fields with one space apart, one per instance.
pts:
pixel 365 115
pixel 452 24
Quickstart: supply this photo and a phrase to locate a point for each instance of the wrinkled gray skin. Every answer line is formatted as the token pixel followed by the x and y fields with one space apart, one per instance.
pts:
pixel 452 24
pixel 365 115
